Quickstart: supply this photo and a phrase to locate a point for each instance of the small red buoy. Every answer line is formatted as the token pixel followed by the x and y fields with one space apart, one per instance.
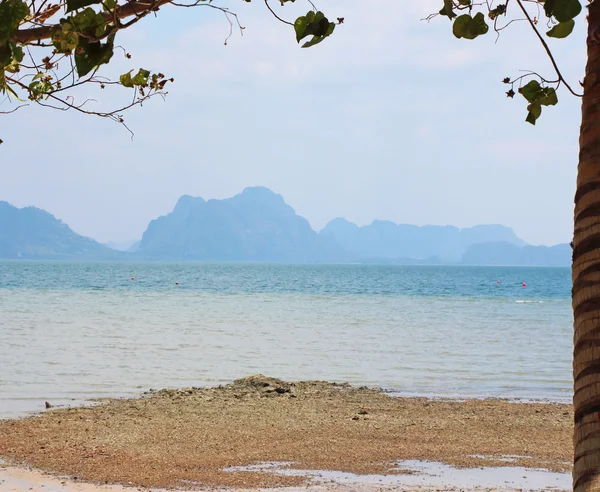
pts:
pixel 524 284
pixel 497 281
pixel 132 278
pixel 176 283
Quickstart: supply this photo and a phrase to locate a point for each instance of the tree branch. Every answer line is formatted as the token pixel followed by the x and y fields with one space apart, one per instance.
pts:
pixel 275 15
pixel 135 7
pixel 548 51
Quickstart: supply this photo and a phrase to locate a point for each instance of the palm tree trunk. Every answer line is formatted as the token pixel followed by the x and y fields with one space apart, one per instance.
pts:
pixel 586 275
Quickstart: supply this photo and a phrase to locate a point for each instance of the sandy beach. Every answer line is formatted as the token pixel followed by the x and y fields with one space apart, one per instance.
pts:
pixel 206 438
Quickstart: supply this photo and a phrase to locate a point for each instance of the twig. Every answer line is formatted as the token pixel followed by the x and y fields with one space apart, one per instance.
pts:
pixel 14 109
pixel 548 51
pixel 275 15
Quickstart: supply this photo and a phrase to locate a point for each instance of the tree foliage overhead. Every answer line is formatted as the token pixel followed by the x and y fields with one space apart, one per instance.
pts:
pixel 548 18
pixel 48 50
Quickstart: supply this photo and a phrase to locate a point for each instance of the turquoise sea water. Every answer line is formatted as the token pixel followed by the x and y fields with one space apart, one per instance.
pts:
pixel 72 331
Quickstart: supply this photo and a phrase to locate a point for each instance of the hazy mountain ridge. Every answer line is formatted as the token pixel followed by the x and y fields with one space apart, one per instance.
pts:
pixel 506 254
pixel 385 239
pixel 258 226
pixel 33 233
pixel 255 225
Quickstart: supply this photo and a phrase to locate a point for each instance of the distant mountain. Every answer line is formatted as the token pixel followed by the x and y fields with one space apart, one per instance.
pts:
pixel 506 254
pixel 135 246
pixel 384 239
pixel 256 225
pixel 32 233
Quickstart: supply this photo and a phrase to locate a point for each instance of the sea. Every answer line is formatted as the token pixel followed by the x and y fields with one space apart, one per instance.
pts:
pixel 71 332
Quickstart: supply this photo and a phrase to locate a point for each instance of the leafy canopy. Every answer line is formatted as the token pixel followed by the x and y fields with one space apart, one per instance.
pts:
pixel 473 19
pixel 48 50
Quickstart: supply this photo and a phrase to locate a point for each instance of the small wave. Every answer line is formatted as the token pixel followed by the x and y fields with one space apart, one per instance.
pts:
pixel 529 302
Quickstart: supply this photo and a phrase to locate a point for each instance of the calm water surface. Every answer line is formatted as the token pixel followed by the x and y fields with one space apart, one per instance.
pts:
pixel 72 331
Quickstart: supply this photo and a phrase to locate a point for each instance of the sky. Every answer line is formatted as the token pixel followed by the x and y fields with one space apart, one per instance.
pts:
pixel 391 118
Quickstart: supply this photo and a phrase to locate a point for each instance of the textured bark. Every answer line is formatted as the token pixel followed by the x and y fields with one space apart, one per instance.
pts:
pixel 586 275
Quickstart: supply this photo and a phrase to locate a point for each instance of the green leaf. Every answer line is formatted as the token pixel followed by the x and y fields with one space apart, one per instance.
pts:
pixel 532 91
pixel 5 87
pixel 17 57
pixel 565 10
pixel 537 96
pixel 79 4
pixel 479 25
pixel 549 7
pixel 549 97
pixel 89 56
pixel 318 38
pixel 12 13
pixel 535 93
pixel 125 79
pixel 448 9
pixel 315 24
pixel 534 112
pixel 11 55
pixel 301 25
pixel 17 52
pixel 5 54
pixel 40 86
pixel 468 27
pixel 562 10
pixel 461 25
pixel 65 42
pixel 562 30
pixel 88 22
pixel 141 78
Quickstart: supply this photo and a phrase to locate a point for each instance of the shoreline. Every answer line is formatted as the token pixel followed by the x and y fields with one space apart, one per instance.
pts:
pixel 18 479
pixel 20 411
pixel 170 438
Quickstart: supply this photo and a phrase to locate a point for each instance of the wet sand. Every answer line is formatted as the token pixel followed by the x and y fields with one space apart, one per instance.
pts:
pixel 18 480
pixel 189 437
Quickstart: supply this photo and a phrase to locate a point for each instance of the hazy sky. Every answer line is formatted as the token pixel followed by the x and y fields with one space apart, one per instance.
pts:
pixel 391 118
